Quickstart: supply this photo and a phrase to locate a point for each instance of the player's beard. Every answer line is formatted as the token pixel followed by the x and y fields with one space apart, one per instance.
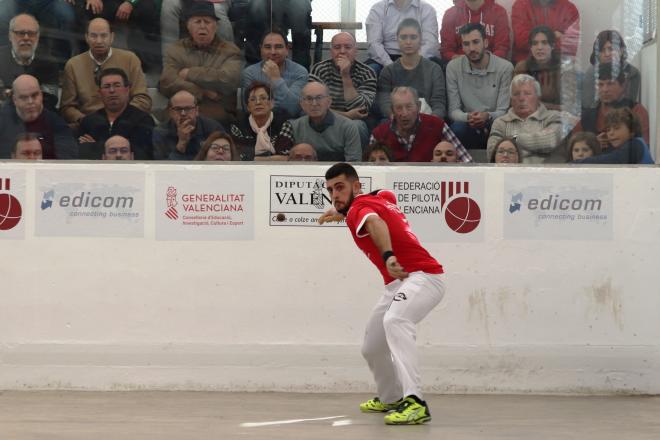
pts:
pixel 347 206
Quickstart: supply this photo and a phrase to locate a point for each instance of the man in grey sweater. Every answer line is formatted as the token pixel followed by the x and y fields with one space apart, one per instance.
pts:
pixel 477 87
pixel 335 137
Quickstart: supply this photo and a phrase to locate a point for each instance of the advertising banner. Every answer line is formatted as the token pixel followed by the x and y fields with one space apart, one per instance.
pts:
pixel 441 207
pixel 12 202
pixel 300 200
pixel 213 205
pixel 71 203
pixel 557 206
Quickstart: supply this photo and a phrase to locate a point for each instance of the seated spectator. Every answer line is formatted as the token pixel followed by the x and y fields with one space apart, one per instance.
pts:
pixel 352 84
pixel 285 77
pixel 80 92
pixel 384 19
pixel 413 71
pixel 378 153
pixel 26 113
pixel 258 132
pixel 477 87
pixel 505 151
pixel 491 15
pixel 610 48
pixel 204 65
pixel 182 136
pixel 116 117
pixel 444 152
pixel 410 135
pixel 624 143
pixel 611 85
pixel 582 145
pixel 218 146
pixel 172 13
pixel 559 15
pixel 302 153
pixel 280 14
pixel 142 24
pixel 558 77
pixel 334 136
pixel 27 147
pixel 57 18
pixel 538 132
pixel 22 57
pixel 117 147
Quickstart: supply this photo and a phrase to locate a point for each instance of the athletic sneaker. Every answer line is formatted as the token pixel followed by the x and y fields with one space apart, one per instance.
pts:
pixel 375 405
pixel 411 411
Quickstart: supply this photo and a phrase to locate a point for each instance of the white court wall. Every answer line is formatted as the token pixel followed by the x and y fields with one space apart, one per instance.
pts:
pixel 286 309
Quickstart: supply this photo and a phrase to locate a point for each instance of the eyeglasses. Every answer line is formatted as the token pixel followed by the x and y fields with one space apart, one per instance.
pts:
pixel 507 153
pixel 112 86
pixel 30 34
pixel 217 148
pixel 255 99
pixel 313 99
pixel 182 110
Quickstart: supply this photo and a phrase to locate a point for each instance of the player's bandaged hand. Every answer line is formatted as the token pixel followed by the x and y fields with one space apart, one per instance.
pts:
pixel 331 215
pixel 395 269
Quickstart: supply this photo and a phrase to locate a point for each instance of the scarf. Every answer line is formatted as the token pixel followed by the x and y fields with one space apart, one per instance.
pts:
pixel 262 145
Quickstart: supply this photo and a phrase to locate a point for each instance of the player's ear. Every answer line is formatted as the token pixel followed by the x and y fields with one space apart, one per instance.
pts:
pixel 356 187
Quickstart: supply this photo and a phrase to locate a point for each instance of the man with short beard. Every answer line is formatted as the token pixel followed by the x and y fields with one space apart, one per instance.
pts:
pixel 117 148
pixel 26 113
pixel 22 57
pixel 477 87
pixel 117 117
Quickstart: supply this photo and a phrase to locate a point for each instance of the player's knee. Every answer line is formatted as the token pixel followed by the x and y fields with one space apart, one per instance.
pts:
pixel 394 323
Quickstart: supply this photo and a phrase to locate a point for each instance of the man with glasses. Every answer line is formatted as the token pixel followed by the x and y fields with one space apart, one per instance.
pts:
pixel 182 136
pixel 80 95
pixel 537 131
pixel 117 148
pixel 116 117
pixel 204 65
pixel 57 18
pixel 352 84
pixel 26 113
pixel 302 153
pixel 334 136
pixel 286 78
pixel 21 57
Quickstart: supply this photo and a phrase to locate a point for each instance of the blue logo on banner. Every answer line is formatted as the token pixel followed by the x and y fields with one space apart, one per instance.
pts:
pixel 47 201
pixel 516 201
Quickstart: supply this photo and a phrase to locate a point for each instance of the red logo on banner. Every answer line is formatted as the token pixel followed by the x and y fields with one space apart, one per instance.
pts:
pixel 462 213
pixel 171 212
pixel 10 207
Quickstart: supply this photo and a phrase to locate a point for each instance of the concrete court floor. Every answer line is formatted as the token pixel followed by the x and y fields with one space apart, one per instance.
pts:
pixel 65 415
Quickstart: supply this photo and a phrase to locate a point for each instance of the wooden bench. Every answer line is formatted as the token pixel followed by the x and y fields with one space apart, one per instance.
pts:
pixel 320 26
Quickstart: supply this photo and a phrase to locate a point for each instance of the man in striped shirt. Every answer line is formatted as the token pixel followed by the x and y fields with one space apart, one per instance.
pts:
pixel 351 83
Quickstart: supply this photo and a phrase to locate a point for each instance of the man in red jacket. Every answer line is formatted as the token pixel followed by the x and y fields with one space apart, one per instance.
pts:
pixel 559 15
pixel 491 15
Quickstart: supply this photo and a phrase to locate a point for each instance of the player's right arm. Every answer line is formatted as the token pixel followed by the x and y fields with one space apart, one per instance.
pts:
pixel 380 235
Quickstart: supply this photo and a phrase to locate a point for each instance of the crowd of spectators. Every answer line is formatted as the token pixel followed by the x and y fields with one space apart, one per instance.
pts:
pixel 238 90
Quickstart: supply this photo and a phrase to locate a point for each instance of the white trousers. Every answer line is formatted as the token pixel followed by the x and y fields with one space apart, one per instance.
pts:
pixel 390 338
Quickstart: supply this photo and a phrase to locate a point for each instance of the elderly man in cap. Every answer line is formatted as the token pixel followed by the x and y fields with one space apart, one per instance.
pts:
pixel 204 65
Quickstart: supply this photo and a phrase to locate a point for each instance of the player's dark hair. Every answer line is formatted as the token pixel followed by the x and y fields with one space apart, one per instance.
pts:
pixel 341 168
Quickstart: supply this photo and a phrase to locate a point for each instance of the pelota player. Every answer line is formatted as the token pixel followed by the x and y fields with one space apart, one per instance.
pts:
pixel 413 287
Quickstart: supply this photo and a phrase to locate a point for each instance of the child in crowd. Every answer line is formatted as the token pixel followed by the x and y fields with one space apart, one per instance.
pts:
pixel 625 145
pixel 506 151
pixel 378 153
pixel 582 145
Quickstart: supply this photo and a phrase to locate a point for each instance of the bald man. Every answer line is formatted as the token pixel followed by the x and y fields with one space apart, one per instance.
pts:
pixel 302 153
pixel 29 115
pixel 80 93
pixel 117 148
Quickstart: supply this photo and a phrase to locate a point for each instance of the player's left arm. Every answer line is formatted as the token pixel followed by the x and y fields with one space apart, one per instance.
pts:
pixel 380 235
